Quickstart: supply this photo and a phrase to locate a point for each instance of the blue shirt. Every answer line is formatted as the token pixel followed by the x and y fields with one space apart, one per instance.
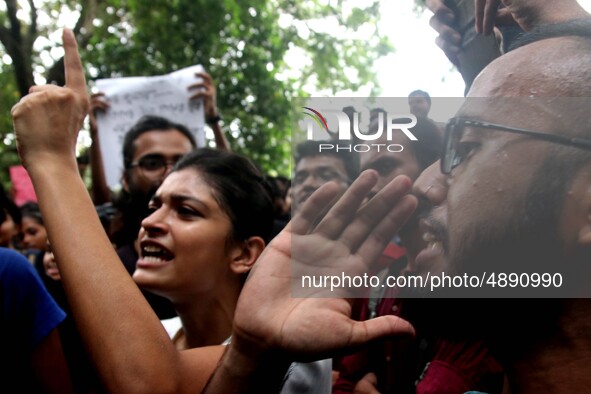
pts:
pixel 28 313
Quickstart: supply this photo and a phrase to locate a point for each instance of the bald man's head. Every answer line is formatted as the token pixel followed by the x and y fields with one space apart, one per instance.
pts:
pixel 514 159
pixel 545 86
pixel 517 202
pixel 554 67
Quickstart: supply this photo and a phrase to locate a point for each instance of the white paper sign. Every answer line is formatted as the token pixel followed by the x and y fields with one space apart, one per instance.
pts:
pixel 133 97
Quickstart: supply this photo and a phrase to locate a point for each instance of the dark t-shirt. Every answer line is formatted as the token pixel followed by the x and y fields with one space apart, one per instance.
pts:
pixel 27 316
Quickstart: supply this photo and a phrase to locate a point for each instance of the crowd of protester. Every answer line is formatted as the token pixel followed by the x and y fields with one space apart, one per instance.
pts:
pixel 184 280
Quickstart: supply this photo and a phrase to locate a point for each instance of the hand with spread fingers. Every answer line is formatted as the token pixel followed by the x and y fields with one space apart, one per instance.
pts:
pixel 48 119
pixel 273 325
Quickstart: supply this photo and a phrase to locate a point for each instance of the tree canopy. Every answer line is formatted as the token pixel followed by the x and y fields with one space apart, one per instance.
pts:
pixel 261 54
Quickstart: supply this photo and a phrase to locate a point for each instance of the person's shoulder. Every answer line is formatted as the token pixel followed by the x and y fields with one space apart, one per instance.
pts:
pixel 7 254
pixel 27 304
pixel 13 263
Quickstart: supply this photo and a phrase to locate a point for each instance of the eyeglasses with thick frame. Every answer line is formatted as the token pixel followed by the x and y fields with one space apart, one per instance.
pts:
pixel 450 158
pixel 154 165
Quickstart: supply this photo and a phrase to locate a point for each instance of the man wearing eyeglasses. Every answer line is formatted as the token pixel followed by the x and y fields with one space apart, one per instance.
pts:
pixel 150 149
pixel 511 194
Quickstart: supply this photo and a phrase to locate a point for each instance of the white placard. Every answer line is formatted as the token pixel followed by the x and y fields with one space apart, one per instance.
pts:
pixel 133 97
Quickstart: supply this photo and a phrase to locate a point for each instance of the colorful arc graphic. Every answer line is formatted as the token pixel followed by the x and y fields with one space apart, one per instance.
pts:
pixel 317 116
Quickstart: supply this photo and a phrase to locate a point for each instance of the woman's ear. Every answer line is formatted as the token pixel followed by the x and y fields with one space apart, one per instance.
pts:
pixel 245 254
pixel 125 180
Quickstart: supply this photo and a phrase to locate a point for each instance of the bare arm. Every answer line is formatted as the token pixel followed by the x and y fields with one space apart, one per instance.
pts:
pixel 100 190
pixel 206 90
pixel 221 142
pixel 131 350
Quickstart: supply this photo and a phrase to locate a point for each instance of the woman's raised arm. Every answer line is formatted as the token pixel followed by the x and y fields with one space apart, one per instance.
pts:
pixel 128 345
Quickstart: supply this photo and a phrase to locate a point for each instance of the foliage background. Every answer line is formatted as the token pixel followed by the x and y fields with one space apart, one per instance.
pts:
pixel 261 54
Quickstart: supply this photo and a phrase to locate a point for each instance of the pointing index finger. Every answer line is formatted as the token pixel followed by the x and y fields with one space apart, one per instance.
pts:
pixel 74 71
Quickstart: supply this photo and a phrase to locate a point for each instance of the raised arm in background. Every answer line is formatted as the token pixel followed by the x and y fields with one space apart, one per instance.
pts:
pixel 100 190
pixel 206 90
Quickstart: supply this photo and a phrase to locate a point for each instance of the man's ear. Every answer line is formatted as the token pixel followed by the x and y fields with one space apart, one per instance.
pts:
pixel 244 254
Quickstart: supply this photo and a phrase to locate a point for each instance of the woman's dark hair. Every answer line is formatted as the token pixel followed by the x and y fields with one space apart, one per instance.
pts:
pixel 31 210
pixel 240 189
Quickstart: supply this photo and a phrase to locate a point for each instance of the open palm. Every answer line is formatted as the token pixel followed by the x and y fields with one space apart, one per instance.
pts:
pixel 276 312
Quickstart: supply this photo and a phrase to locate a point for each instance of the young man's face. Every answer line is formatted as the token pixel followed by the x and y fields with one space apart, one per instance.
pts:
pixel 313 172
pixel 390 164
pixel 155 153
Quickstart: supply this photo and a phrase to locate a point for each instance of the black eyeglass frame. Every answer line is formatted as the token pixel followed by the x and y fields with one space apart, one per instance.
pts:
pixel 448 155
pixel 164 163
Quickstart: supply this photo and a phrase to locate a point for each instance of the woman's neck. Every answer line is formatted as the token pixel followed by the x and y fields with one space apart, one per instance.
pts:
pixel 206 320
